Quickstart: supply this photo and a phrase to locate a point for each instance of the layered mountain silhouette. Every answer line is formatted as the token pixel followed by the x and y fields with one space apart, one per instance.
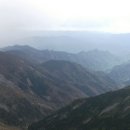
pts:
pixel 28 91
pixel 110 111
pixel 75 41
pixel 40 84
pixel 96 60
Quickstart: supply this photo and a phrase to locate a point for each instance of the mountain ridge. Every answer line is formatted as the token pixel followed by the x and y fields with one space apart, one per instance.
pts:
pixel 107 111
pixel 96 60
pixel 29 92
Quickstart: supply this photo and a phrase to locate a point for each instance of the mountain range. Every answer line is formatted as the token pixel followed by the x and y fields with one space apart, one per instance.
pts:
pixel 63 91
pixel 30 91
pixel 95 60
pixel 76 41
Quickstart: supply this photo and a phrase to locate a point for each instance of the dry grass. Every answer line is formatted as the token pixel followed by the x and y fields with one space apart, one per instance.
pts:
pixel 6 127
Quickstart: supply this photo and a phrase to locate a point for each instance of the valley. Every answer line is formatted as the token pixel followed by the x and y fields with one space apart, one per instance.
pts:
pixel 35 83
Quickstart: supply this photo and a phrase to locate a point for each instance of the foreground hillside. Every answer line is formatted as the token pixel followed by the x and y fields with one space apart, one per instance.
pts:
pixel 6 127
pixel 110 111
pixel 28 93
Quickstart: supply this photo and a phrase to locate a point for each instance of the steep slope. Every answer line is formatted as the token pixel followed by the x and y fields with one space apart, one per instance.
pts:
pixel 28 92
pixel 93 60
pixel 6 127
pixel 121 74
pixel 109 111
pixel 16 109
pixel 78 77
pixel 19 101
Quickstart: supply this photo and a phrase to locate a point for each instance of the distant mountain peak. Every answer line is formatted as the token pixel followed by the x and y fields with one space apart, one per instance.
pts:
pixel 96 60
pixel 18 48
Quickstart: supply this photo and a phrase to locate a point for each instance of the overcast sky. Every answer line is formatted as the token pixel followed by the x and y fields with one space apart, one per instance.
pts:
pixel 20 16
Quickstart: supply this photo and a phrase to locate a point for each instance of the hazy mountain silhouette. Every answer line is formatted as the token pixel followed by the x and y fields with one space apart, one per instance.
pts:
pixel 29 92
pixel 93 60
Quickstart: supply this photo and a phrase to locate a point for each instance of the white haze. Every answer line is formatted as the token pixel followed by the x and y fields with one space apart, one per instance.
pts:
pixel 22 18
